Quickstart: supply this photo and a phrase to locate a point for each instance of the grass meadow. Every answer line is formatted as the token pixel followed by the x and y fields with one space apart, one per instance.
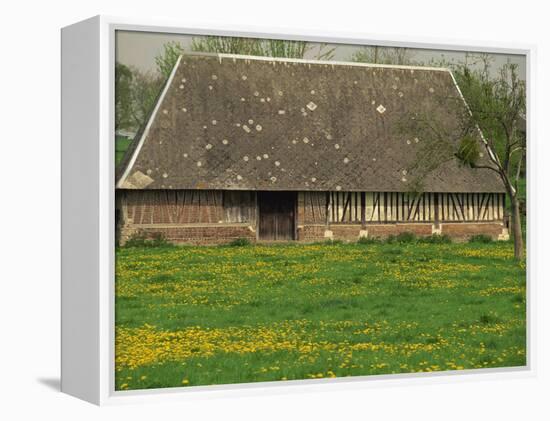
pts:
pixel 188 316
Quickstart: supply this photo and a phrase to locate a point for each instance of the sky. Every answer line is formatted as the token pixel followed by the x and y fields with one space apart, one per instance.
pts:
pixel 139 49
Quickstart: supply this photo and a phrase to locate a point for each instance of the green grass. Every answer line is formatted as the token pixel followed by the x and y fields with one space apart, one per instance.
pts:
pixel 217 315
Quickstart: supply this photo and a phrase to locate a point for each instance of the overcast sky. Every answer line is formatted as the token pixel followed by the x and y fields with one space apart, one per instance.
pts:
pixel 139 49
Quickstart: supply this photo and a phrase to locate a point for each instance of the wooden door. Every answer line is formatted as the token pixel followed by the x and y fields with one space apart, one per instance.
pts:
pixel 277 211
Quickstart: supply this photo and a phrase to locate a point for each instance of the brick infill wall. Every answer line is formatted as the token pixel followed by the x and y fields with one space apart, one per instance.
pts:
pixel 211 234
pixel 198 234
pixel 352 232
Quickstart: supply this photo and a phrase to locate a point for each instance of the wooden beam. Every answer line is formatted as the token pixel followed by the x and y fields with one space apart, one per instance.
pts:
pixel 436 209
pixel 327 212
pixel 363 210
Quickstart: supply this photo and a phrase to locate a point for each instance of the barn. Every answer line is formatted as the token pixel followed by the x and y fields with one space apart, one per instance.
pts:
pixel 295 150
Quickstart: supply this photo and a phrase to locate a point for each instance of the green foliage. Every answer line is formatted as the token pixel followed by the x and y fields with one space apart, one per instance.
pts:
pixel 383 55
pixel 329 242
pixel 168 58
pixel 146 89
pixel 141 240
pixel 283 48
pixel 498 106
pixel 121 145
pixel 522 189
pixel 260 47
pixel 239 242
pixel 480 238
pixel 123 102
pixel 135 96
pixel 369 240
pixel 404 237
pixel 522 198
pixel 468 151
pixel 227 45
pixel 436 239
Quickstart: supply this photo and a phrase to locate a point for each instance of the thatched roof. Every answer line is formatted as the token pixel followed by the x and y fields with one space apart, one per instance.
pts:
pixel 254 123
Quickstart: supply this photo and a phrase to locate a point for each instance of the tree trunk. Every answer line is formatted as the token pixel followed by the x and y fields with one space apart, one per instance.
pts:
pixel 516 229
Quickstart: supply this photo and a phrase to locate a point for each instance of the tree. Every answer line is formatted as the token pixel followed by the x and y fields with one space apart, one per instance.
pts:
pixel 498 105
pixel 168 58
pixel 495 107
pixel 227 45
pixel 383 55
pixel 145 90
pixel 259 47
pixel 123 92
pixel 283 48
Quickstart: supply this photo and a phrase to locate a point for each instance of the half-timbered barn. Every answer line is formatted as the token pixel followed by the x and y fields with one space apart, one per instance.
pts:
pixel 275 149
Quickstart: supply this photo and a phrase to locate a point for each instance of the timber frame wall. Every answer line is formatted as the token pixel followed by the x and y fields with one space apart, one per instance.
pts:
pixel 387 207
pixel 215 216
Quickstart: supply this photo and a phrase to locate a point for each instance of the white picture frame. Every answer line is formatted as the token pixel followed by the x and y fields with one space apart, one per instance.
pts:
pixel 88 234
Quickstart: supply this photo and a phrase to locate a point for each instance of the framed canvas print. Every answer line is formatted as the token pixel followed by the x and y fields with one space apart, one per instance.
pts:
pixel 288 210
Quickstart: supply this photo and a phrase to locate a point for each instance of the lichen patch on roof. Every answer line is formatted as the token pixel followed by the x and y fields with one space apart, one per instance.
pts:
pixel 249 123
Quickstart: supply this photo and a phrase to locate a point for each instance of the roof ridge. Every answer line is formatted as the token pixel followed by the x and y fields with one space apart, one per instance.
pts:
pixel 316 62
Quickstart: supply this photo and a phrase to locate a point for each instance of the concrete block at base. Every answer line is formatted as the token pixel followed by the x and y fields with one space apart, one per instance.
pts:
pixel 504 236
pixel 436 230
pixel 363 233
